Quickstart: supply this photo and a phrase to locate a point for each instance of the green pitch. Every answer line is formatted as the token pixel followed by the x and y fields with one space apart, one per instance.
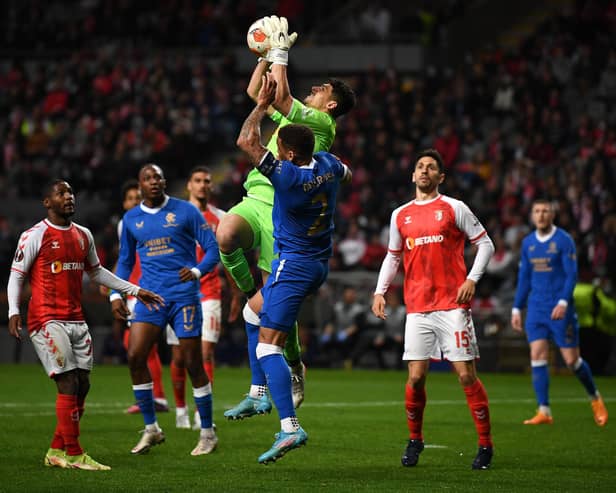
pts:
pixel 357 432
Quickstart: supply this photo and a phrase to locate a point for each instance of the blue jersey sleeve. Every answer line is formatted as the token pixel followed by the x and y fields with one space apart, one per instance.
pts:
pixel 283 174
pixel 207 241
pixel 127 255
pixel 524 273
pixel 569 262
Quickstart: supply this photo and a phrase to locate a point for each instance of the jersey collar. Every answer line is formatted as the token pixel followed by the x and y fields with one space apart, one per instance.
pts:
pixel 154 210
pixel 543 238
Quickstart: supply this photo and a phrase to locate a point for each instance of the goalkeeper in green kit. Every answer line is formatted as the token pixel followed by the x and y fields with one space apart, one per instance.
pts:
pixel 248 225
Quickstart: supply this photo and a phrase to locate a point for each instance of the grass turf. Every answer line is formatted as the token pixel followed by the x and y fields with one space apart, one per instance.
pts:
pixel 357 432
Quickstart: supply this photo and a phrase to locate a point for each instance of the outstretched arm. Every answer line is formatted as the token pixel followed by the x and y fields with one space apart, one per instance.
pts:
pixel 249 139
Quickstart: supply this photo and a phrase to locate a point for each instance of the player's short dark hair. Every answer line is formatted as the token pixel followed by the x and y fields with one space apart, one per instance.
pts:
pixel 49 186
pixel 199 169
pixel 543 200
pixel 299 139
pixel 127 186
pixel 434 154
pixel 150 165
pixel 343 95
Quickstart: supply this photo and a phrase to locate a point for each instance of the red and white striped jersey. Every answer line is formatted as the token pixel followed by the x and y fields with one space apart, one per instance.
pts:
pixel 55 258
pixel 211 286
pixel 431 235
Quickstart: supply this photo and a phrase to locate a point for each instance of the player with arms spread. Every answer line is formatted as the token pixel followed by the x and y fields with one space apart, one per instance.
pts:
pixel 163 231
pixel 54 253
pixel 430 232
pixel 304 202
pixel 547 277
pixel 248 225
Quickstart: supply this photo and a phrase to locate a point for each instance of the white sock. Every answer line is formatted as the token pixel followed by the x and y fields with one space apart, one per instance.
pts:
pixel 153 427
pixel 545 410
pixel 181 411
pixel 257 391
pixel 290 424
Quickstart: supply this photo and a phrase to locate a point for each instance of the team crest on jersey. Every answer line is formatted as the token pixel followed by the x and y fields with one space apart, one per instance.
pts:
pixel 531 248
pixel 170 218
pixel 139 225
pixel 82 245
pixel 19 255
pixel 438 215
pixel 552 248
pixel 407 220
pixel 55 244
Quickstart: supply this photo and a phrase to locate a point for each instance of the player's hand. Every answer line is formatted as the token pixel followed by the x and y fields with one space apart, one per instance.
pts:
pixel 559 311
pixel 187 275
pixel 150 300
pixel 15 326
pixel 103 290
pixel 119 310
pixel 280 40
pixel 267 92
pixel 378 306
pixel 466 292
pixel 516 322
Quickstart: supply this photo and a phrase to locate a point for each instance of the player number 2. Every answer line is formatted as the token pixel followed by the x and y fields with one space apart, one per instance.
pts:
pixel 319 224
pixel 462 339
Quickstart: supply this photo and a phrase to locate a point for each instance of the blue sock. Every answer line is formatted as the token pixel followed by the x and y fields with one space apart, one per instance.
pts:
pixel 584 374
pixel 256 372
pixel 145 401
pixel 541 383
pixel 204 406
pixel 279 383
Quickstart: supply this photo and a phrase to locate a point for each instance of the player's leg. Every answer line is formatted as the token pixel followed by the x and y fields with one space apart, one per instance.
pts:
pixel 419 345
pixel 292 348
pixel 537 329
pixel 458 342
pixel 566 336
pixel 187 323
pixel 256 401
pixel 156 371
pixel 282 300
pixel 178 380
pixel 144 333
pixel 237 232
pixel 212 316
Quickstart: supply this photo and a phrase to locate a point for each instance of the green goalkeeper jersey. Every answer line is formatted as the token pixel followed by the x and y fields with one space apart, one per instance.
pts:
pixel 322 124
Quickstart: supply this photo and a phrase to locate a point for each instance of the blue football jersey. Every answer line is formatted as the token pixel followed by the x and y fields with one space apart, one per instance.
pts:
pixel 165 240
pixel 304 204
pixel 548 270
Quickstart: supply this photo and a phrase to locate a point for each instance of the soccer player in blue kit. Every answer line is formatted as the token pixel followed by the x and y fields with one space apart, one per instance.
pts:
pixel 305 189
pixel 546 279
pixel 164 230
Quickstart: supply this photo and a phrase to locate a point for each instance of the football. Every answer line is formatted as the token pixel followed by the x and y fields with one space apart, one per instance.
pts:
pixel 257 40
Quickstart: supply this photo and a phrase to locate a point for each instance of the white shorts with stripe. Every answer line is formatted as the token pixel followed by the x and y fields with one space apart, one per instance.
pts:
pixel 210 331
pixel 451 332
pixel 63 346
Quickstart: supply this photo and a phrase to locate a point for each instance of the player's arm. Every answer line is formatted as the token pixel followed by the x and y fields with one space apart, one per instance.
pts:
pixel 124 266
pixel 27 251
pixel 254 85
pixel 522 290
pixel 568 258
pixel 207 241
pixel 389 267
pixel 249 139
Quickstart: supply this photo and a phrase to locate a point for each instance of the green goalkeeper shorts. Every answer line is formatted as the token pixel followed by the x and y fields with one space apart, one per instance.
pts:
pixel 259 215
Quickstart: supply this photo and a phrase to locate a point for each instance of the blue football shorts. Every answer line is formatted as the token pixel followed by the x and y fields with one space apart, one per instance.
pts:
pixel 185 317
pixel 565 333
pixel 286 288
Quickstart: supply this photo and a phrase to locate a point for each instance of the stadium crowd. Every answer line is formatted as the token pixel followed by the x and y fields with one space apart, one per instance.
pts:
pixel 512 125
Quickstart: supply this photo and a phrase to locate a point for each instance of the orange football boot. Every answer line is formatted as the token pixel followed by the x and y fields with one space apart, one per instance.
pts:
pixel 539 419
pixel 599 410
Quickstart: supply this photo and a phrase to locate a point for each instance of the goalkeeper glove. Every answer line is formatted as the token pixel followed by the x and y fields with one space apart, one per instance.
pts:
pixel 280 40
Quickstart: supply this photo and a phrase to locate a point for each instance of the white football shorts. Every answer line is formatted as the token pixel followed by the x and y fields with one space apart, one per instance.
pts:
pixel 63 346
pixel 210 330
pixel 451 332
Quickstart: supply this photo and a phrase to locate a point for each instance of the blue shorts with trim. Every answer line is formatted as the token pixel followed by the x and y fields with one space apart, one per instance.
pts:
pixel 185 317
pixel 565 333
pixel 286 288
